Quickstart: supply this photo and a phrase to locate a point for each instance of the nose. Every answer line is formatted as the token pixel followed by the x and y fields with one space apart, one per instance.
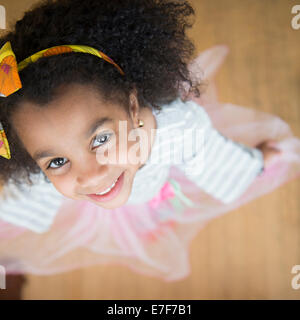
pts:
pixel 91 176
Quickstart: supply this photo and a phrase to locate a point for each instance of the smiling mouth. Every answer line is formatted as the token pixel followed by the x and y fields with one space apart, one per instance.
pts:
pixel 107 190
pixel 109 193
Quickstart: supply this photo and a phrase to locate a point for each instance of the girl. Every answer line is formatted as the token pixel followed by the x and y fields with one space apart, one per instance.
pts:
pixel 95 95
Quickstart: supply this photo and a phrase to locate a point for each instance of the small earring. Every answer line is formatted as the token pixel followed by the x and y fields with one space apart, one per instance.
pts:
pixel 141 123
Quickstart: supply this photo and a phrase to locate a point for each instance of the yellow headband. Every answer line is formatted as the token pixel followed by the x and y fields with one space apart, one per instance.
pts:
pixel 9 74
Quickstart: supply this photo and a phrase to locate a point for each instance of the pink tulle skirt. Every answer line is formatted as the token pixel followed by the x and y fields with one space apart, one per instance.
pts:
pixel 153 240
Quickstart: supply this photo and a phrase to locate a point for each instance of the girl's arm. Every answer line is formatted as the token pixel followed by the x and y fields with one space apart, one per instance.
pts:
pixel 221 167
pixel 33 207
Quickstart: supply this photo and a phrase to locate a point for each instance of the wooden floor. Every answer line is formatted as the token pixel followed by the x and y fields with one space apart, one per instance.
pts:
pixel 248 253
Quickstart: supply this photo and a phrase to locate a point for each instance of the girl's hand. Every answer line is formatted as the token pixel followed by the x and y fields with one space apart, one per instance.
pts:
pixel 269 151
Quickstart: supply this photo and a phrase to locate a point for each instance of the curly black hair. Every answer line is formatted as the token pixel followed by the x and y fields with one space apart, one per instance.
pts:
pixel 146 38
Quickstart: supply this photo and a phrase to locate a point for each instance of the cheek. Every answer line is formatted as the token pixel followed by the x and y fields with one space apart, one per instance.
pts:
pixel 64 186
pixel 124 147
pixel 137 148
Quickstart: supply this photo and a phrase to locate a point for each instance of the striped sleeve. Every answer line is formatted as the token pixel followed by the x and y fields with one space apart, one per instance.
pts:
pixel 221 167
pixel 33 207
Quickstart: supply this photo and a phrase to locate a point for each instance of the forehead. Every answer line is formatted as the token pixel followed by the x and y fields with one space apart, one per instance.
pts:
pixel 75 106
pixel 77 102
pixel 65 117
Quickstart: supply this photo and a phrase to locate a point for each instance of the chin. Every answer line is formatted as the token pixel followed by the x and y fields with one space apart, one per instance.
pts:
pixel 108 206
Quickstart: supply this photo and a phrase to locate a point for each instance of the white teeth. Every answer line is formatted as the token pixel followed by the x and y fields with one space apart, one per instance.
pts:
pixel 108 189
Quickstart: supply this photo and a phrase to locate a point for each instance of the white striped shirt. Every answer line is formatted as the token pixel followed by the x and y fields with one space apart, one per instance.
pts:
pixel 185 138
pixel 33 207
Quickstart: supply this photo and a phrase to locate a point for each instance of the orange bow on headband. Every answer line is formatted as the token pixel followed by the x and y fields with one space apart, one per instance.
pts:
pixel 10 81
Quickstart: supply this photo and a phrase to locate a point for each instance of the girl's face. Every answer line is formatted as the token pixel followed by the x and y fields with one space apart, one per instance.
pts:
pixel 68 137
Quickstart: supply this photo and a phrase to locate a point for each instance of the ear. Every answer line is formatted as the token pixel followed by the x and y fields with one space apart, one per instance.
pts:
pixel 134 108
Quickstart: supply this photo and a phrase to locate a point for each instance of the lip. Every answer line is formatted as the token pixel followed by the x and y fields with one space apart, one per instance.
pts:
pixel 112 193
pixel 107 186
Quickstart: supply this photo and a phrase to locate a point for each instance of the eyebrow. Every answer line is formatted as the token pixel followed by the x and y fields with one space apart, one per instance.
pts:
pixel 95 125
